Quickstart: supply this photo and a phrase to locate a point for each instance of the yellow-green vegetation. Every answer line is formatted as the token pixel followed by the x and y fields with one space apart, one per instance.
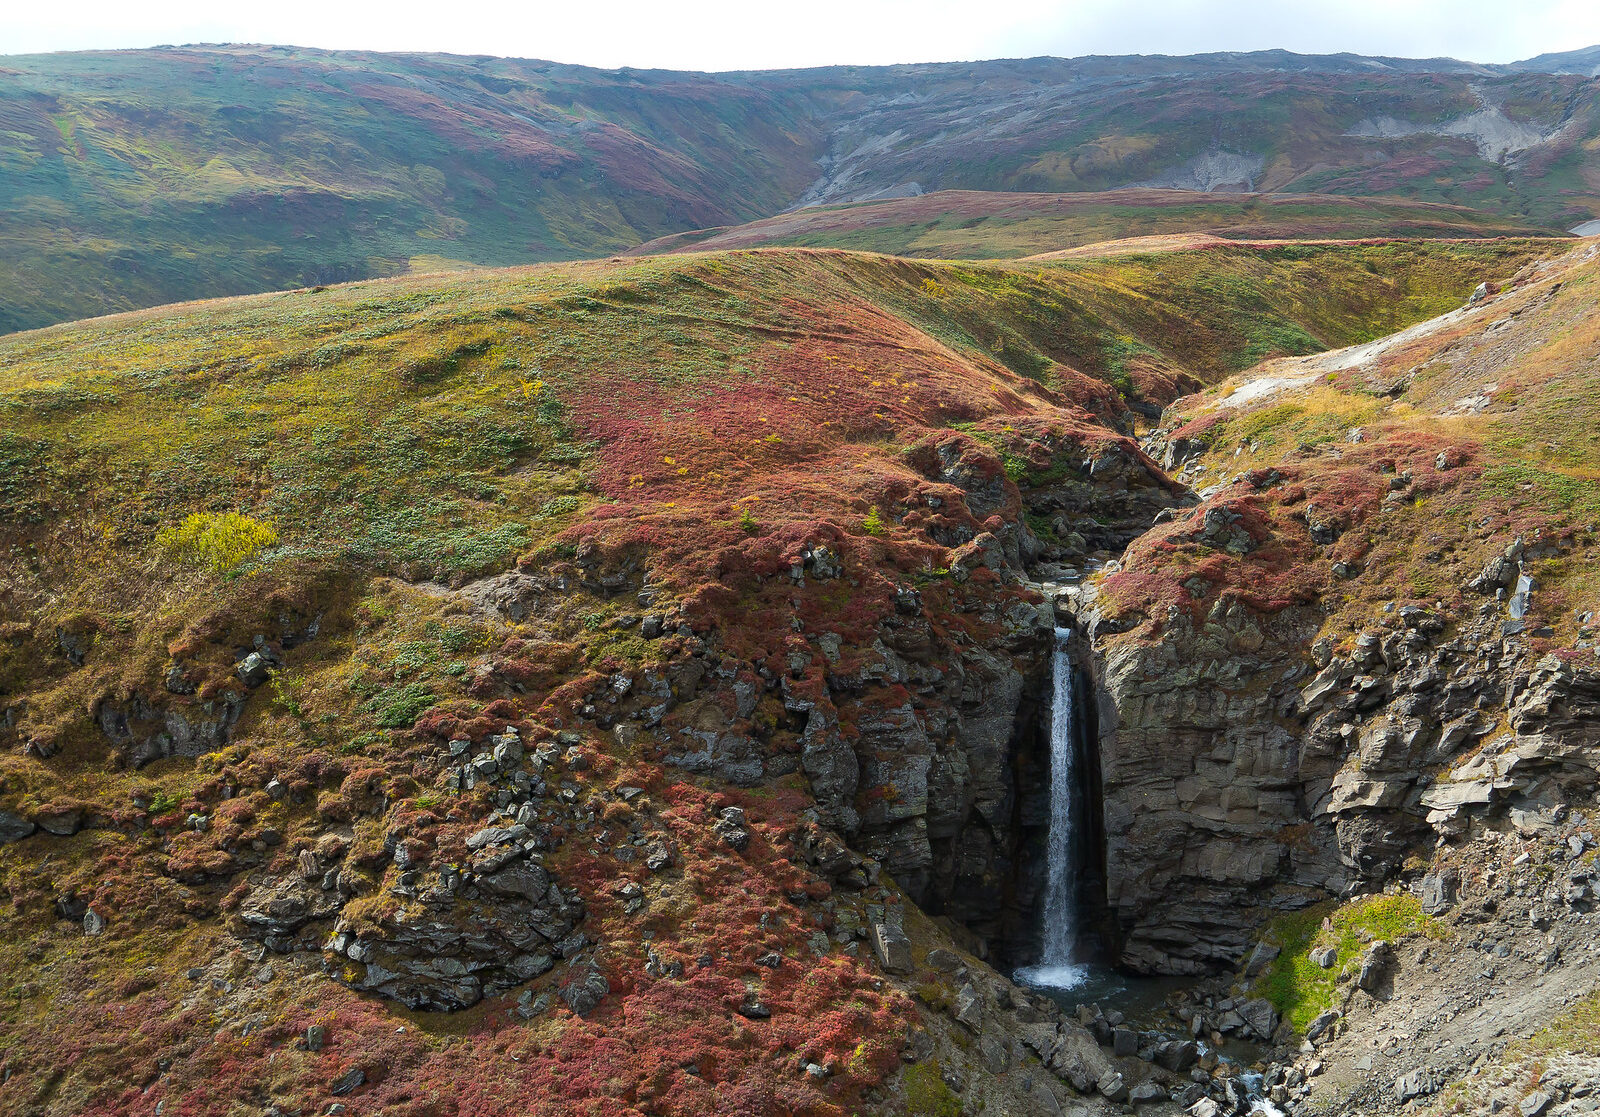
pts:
pixel 1574 1032
pixel 975 225
pixel 1307 421
pixel 217 541
pixel 1297 986
pixel 1510 393
pixel 926 1093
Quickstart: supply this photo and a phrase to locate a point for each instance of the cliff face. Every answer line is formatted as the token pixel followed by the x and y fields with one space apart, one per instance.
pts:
pixel 1202 789
pixel 1350 651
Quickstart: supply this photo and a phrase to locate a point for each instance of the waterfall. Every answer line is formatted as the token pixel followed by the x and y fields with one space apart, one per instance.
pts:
pixel 1060 931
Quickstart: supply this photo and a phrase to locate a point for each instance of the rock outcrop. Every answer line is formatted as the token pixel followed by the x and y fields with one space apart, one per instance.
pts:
pixel 1200 784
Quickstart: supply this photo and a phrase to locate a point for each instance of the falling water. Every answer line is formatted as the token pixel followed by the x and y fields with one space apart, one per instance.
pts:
pixel 1056 969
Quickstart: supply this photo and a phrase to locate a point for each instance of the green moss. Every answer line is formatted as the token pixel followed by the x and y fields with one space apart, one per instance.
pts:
pixel 1298 987
pixel 926 1093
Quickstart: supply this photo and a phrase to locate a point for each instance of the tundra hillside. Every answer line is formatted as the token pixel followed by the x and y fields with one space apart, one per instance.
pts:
pixel 597 688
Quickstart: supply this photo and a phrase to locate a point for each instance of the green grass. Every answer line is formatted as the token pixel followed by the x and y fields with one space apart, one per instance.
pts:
pixel 1298 987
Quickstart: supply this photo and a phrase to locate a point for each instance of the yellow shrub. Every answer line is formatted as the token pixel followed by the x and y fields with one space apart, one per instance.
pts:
pixel 217 541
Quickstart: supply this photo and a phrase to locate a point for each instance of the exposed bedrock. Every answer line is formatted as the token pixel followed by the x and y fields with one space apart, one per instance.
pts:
pixel 1202 787
pixel 1248 770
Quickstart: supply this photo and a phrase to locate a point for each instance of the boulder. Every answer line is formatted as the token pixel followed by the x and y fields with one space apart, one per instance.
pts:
pixel 1260 1017
pixel 967 1008
pixel 1177 1055
pixel 1534 1104
pixel 1319 1026
pixel 1260 958
pixel 584 989
pixel 892 948
pixel 1079 1060
pixel 1438 892
pixel 1374 965
pixel 13 827
pixel 1416 1084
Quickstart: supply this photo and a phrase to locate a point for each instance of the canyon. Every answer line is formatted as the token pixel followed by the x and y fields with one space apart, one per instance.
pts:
pixel 636 686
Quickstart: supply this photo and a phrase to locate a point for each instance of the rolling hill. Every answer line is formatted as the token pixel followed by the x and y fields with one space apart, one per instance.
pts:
pixel 134 178
pixel 978 225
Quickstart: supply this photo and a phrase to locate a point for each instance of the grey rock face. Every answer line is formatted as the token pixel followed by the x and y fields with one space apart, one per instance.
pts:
pixel 463 936
pixel 146 732
pixel 1200 779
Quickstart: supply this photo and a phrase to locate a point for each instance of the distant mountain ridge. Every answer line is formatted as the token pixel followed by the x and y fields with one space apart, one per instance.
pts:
pixel 133 178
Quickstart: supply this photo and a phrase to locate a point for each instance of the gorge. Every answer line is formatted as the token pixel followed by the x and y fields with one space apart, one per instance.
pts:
pixel 692 684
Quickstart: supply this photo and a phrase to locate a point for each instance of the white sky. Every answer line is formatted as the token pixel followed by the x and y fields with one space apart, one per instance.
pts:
pixel 753 34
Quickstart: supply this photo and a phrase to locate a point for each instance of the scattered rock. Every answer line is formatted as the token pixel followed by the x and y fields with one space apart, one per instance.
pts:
pixel 1439 892
pixel 892 948
pixel 1374 966
pixel 348 1082
pixel 751 1008
pixel 1319 1026
pixel 13 827
pixel 1261 1017
pixel 730 827
pixel 967 1008
pixel 254 669
pixel 1534 1104
pixel 1147 1092
pixel 945 961
pixel 1418 1083
pixel 1260 958
pixel 584 989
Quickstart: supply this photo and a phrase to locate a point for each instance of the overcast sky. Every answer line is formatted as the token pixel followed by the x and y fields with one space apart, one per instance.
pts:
pixel 751 34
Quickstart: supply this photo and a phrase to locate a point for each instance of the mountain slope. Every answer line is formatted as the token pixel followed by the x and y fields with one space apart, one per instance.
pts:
pixel 132 178
pixel 139 177
pixel 454 694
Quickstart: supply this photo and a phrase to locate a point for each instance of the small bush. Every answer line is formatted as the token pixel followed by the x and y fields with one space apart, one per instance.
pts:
pixel 217 541
pixel 747 522
pixel 874 524
pixel 399 707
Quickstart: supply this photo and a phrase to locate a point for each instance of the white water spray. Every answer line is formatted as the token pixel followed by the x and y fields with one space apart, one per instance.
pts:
pixel 1056 969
